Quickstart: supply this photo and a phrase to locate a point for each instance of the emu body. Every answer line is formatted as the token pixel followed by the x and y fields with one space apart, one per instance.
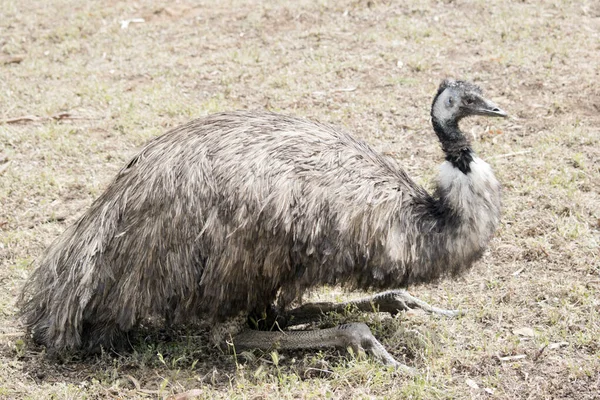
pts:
pixel 237 211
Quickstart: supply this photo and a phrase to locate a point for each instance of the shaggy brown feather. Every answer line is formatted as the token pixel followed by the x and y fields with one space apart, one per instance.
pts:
pixel 236 211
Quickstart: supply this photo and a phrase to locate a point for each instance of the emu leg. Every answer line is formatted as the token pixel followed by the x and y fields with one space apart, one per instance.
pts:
pixel 391 301
pixel 357 336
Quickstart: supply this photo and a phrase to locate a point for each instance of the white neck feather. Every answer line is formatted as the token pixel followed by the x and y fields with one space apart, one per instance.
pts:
pixel 473 197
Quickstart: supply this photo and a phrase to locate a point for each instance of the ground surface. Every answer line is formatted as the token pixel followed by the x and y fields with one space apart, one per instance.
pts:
pixel 92 88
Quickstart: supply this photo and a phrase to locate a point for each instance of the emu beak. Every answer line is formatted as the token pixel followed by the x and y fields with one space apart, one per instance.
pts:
pixel 487 108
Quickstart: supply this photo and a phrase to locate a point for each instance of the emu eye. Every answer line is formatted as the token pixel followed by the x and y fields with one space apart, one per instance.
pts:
pixel 450 101
pixel 469 101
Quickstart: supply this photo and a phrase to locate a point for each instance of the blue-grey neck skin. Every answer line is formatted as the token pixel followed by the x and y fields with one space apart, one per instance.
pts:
pixel 446 113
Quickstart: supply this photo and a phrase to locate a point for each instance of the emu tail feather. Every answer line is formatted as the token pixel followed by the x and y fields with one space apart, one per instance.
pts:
pixel 60 292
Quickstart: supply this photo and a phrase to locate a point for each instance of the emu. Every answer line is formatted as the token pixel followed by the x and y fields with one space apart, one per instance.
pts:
pixel 240 213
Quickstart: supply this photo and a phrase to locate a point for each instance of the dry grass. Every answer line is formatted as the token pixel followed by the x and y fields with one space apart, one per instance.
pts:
pixel 371 66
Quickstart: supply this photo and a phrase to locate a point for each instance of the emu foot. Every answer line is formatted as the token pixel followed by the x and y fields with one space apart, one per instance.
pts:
pixel 391 301
pixel 356 336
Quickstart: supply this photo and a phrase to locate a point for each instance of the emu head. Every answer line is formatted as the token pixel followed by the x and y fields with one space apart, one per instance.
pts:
pixel 456 100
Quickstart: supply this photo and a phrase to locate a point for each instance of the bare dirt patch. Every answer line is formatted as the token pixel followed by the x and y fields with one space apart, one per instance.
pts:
pixel 125 72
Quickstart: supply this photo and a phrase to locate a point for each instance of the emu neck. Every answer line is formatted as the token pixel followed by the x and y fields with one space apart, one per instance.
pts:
pixel 454 226
pixel 454 143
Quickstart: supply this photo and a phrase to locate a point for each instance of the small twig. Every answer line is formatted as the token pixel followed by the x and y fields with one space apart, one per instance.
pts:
pixel 512 358
pixel 12 334
pixel 325 371
pixel 516 153
pixel 16 120
pixel 33 118
pixel 12 59
pixel 4 167
pixel 539 353
pixel 67 115
pixel 348 89
pixel 57 218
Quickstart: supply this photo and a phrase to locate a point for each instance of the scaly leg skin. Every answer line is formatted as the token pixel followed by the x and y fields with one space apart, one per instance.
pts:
pixel 357 336
pixel 390 301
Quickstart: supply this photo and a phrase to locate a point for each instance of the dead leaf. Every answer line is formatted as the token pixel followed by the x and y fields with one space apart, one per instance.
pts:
pixel 125 23
pixel 472 384
pixel 138 387
pixel 135 382
pixel 524 332
pixel 554 346
pixel 190 394
pixel 489 390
